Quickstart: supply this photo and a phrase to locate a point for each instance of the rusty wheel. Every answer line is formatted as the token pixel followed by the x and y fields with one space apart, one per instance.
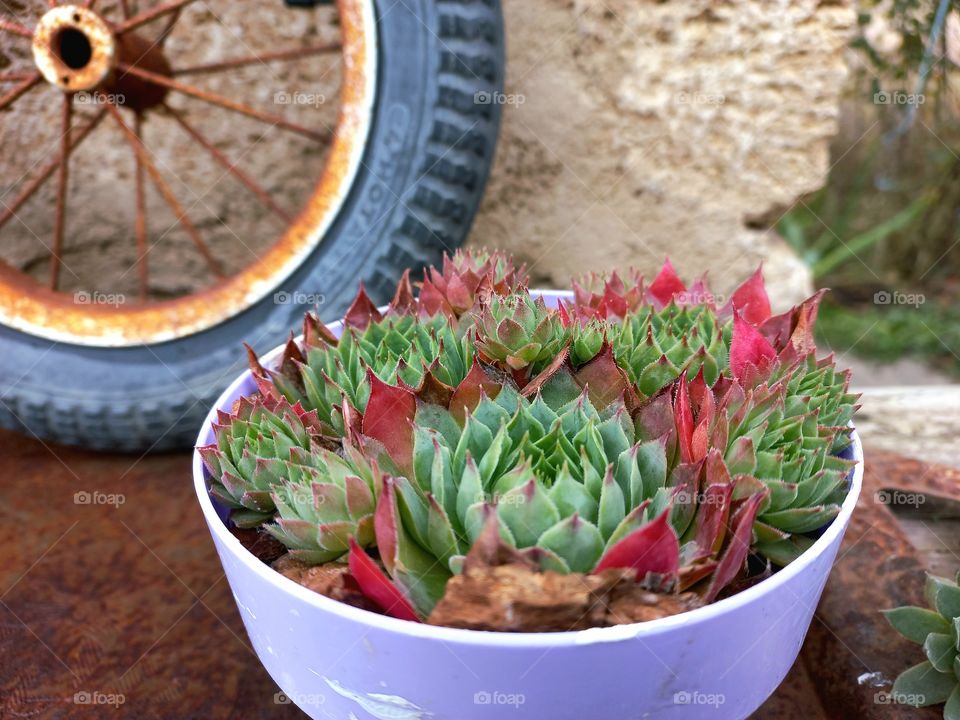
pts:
pixel 181 175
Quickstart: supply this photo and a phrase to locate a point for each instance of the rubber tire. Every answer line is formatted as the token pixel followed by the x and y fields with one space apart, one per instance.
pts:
pixel 426 163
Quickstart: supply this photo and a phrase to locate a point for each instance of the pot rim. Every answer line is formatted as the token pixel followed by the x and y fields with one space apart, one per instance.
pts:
pixel 488 638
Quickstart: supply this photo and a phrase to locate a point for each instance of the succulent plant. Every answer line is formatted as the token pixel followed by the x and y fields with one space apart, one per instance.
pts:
pixel 655 346
pixel 248 440
pixel 937 679
pixel 520 332
pixel 397 348
pixel 466 277
pixel 638 426
pixel 322 501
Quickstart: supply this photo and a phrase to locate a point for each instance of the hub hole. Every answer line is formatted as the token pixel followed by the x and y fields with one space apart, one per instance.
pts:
pixel 73 48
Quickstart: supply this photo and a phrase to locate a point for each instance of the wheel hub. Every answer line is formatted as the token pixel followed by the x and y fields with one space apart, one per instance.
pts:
pixel 74 48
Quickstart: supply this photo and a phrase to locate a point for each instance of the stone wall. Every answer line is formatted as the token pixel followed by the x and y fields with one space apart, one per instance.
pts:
pixel 637 128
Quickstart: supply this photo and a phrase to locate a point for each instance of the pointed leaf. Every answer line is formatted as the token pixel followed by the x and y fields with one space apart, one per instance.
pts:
pixel 748 347
pixel 922 685
pixel 915 623
pixel 666 284
pixel 576 541
pixel 377 587
pixel 653 548
pixel 735 556
pixel 389 419
pixel 751 299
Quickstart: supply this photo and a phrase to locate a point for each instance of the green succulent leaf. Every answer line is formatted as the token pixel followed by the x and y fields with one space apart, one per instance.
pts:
pixel 941 651
pixel 951 711
pixel 576 541
pixel 916 623
pixel 922 685
pixel 944 595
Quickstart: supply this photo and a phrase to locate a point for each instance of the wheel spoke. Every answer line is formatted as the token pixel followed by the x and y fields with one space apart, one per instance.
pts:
pixel 141 222
pixel 247 181
pixel 15 76
pixel 150 15
pixel 293 54
pixel 48 170
pixel 59 217
pixel 178 211
pixel 15 28
pixel 223 102
pixel 21 88
pixel 168 28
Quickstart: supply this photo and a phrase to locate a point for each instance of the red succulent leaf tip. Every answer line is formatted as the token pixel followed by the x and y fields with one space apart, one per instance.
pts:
pixel 712 518
pixel 467 395
pixel 697 294
pixel 536 383
pixel 684 420
pixel 352 420
pixel 459 294
pixel 291 354
pixel 700 442
pixel 613 302
pixel 432 301
pixel 801 339
pixel 362 311
pixel 751 299
pixel 652 548
pixel 564 315
pixel 315 333
pixel 735 556
pixel 748 347
pixel 666 284
pixel 698 389
pixel 386 523
pixel 389 419
pixel 602 378
pixel 403 302
pixel 377 587
pixel 254 362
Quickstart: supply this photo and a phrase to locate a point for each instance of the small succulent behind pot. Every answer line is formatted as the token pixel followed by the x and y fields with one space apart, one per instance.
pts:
pixel 636 427
pixel 937 679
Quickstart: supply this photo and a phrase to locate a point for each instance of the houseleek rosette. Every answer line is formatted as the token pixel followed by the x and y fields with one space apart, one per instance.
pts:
pixel 248 441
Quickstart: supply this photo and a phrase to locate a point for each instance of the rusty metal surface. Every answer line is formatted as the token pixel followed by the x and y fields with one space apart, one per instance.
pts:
pixel 27 305
pixel 851 656
pixel 119 591
pixel 48 52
